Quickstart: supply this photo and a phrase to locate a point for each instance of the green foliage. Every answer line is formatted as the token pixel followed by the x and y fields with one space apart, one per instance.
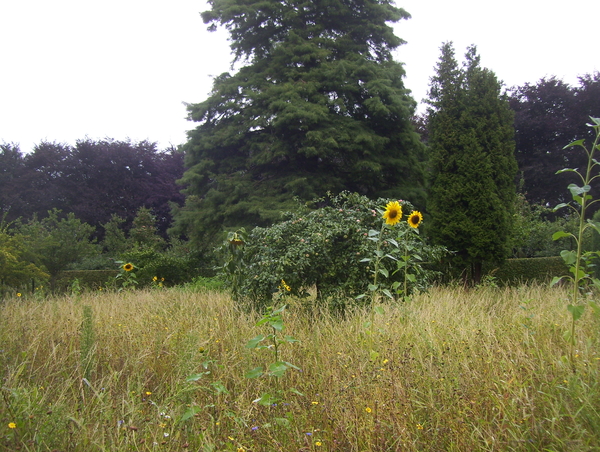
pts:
pixel 54 243
pixel 233 266
pixel 533 227
pixel 144 233
pixel 127 278
pixel 577 260
pixel 472 159
pixel 272 342
pixel 324 248
pixel 115 242
pixel 175 269
pixel 320 106
pixel 15 270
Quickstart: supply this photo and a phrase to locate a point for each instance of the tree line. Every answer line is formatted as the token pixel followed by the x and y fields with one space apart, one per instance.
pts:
pixel 94 180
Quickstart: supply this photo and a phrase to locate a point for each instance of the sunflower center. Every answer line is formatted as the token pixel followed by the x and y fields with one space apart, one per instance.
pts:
pixel 393 214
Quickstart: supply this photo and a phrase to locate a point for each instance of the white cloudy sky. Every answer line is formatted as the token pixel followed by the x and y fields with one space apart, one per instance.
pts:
pixel 123 68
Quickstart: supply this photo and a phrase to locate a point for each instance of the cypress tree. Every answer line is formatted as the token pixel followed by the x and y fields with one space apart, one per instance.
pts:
pixel 320 105
pixel 472 160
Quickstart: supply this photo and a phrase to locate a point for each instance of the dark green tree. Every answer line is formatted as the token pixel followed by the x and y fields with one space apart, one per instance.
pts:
pixel 471 138
pixel 320 105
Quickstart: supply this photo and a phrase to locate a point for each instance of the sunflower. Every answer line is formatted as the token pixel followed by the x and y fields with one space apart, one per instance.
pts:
pixel 128 267
pixel 393 213
pixel 414 219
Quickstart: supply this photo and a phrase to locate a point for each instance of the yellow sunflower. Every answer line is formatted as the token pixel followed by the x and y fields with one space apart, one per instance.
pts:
pixel 393 213
pixel 415 219
pixel 128 267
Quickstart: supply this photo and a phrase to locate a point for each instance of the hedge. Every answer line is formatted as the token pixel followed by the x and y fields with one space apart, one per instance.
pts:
pixel 533 269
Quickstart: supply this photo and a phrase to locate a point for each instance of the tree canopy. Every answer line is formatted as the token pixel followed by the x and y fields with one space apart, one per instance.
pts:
pixel 472 161
pixel 549 115
pixel 320 105
pixel 93 179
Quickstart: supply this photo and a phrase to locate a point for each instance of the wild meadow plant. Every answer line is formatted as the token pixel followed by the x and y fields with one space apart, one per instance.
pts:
pixel 392 216
pixel 272 342
pixel 126 279
pixel 582 278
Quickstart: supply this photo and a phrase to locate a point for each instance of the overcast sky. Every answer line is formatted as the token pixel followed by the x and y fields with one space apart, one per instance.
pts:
pixel 71 69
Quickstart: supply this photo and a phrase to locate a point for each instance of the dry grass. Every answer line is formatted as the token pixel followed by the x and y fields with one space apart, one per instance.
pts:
pixel 457 371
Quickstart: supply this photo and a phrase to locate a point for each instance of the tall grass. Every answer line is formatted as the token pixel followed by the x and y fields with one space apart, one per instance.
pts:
pixel 457 371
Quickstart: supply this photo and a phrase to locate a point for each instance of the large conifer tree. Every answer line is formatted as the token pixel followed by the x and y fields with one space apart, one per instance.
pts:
pixel 320 105
pixel 472 158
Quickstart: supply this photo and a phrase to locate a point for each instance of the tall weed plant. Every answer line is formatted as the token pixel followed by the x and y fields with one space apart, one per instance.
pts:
pixel 579 261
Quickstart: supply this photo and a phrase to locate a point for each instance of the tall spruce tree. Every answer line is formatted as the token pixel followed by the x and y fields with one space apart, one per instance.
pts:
pixel 471 140
pixel 320 105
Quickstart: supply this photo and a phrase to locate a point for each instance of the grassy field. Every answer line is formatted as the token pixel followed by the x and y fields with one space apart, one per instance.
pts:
pixel 479 370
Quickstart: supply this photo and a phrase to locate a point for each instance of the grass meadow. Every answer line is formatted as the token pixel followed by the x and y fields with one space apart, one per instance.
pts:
pixel 476 370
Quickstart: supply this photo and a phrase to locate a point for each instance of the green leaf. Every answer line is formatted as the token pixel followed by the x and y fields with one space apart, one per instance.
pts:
pixel 373 233
pixel 594 225
pixel 278 310
pixel 295 391
pixel 252 343
pixel 388 293
pixel 556 280
pixel 379 310
pixel 290 339
pixel 290 365
pixel 559 206
pixel 564 170
pixel 219 387
pixel 373 355
pixel 278 368
pixel 576 311
pixel 196 377
pixel 569 256
pixel 567 336
pixel 384 272
pixel 266 400
pixel 560 234
pixel 255 373
pixel 277 324
pixel 575 143
pixel 575 190
pixel 190 413
pixel 366 259
pixel 373 287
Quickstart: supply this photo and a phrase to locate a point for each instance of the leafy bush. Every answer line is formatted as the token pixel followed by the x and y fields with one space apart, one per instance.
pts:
pixel 322 248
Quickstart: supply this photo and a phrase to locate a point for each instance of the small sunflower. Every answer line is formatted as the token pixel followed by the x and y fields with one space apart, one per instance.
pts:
pixel 415 219
pixel 393 213
pixel 128 267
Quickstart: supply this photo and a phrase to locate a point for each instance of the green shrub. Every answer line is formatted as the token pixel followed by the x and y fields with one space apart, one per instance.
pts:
pixel 536 269
pixel 150 263
pixel 322 249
